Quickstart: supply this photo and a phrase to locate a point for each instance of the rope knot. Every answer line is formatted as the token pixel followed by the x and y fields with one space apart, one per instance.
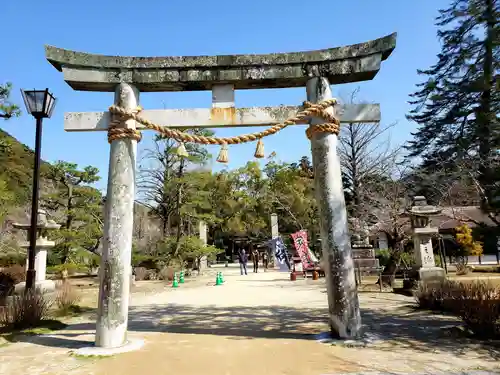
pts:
pixel 116 127
pixel 332 124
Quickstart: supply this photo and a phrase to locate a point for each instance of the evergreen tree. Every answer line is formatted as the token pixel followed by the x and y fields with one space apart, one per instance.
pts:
pixel 7 109
pixel 77 207
pixel 161 173
pixel 457 106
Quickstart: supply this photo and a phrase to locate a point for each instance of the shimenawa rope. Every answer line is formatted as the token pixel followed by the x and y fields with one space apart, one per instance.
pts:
pixel 120 115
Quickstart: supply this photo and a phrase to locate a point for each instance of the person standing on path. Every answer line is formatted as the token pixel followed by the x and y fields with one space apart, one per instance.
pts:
pixel 265 261
pixel 243 258
pixel 255 258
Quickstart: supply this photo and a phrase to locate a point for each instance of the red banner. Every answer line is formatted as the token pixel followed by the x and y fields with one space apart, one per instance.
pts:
pixel 302 247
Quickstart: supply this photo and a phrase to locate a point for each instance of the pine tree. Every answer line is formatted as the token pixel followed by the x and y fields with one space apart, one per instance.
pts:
pixel 457 106
pixel 7 109
pixel 77 206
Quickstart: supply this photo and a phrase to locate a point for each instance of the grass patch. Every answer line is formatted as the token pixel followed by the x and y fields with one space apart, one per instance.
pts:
pixel 42 328
pixel 45 327
pixel 72 311
pixel 37 331
pixel 87 357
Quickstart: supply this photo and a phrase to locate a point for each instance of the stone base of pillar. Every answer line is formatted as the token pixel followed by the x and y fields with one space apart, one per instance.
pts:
pixel 364 339
pixel 92 351
pixel 431 275
pixel 45 286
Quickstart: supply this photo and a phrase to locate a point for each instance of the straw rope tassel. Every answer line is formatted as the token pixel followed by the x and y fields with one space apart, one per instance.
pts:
pixel 259 149
pixel 223 154
pixel 181 150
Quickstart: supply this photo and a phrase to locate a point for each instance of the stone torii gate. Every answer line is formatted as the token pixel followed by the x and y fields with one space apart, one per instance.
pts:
pixel 127 76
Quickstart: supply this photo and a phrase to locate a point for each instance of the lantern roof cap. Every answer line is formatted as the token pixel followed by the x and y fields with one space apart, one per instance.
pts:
pixel 421 208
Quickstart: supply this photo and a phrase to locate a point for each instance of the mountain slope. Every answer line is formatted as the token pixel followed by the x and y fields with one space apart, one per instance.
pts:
pixel 16 167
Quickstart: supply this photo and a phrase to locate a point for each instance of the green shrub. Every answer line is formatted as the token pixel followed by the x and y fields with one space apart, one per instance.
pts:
pixel 10 259
pixel 50 270
pixel 383 256
pixel 146 261
pixel 137 258
pixel 189 249
pixel 53 259
pixel 170 254
pixel 407 259
pixel 92 264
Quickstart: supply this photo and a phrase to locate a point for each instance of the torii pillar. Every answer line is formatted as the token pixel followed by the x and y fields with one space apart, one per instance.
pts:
pixel 202 225
pixel 345 318
pixel 315 70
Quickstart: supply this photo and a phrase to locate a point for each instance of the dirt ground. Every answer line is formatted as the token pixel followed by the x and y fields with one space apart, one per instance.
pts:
pixel 260 323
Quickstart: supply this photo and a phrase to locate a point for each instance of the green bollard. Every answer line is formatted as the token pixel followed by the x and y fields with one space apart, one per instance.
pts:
pixel 181 277
pixel 175 283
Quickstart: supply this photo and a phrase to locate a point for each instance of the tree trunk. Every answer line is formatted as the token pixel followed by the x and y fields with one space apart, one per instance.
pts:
pixel 64 257
pixel 165 225
pixel 212 230
pixel 484 116
pixel 69 224
pixel 180 222
pixel 198 265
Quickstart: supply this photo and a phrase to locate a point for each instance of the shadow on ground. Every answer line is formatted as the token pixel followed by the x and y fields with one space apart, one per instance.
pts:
pixel 410 329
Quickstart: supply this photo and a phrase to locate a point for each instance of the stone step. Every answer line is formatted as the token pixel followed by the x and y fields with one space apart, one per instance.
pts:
pixel 363 253
pixel 366 263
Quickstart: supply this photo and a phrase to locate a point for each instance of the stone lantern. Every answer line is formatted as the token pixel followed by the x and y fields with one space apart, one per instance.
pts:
pixel 420 215
pixel 42 245
pixel 363 253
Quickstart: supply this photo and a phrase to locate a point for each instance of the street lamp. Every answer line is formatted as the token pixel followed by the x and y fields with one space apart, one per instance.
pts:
pixel 40 104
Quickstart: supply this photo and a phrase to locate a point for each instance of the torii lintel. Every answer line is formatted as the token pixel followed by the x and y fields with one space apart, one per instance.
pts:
pixel 91 72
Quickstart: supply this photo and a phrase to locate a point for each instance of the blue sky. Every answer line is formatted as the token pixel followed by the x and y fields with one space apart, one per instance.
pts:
pixel 173 27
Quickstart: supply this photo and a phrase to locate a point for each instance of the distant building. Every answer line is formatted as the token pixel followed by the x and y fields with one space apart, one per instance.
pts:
pixel 485 229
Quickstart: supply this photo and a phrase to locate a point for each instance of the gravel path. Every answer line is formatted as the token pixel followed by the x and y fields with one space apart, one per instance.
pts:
pixel 260 323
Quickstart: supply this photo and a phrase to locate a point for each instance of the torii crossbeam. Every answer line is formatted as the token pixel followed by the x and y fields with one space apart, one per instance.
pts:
pixel 216 117
pixel 127 76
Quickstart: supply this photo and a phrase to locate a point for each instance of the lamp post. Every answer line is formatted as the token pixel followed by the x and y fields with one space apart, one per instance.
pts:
pixel 40 104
